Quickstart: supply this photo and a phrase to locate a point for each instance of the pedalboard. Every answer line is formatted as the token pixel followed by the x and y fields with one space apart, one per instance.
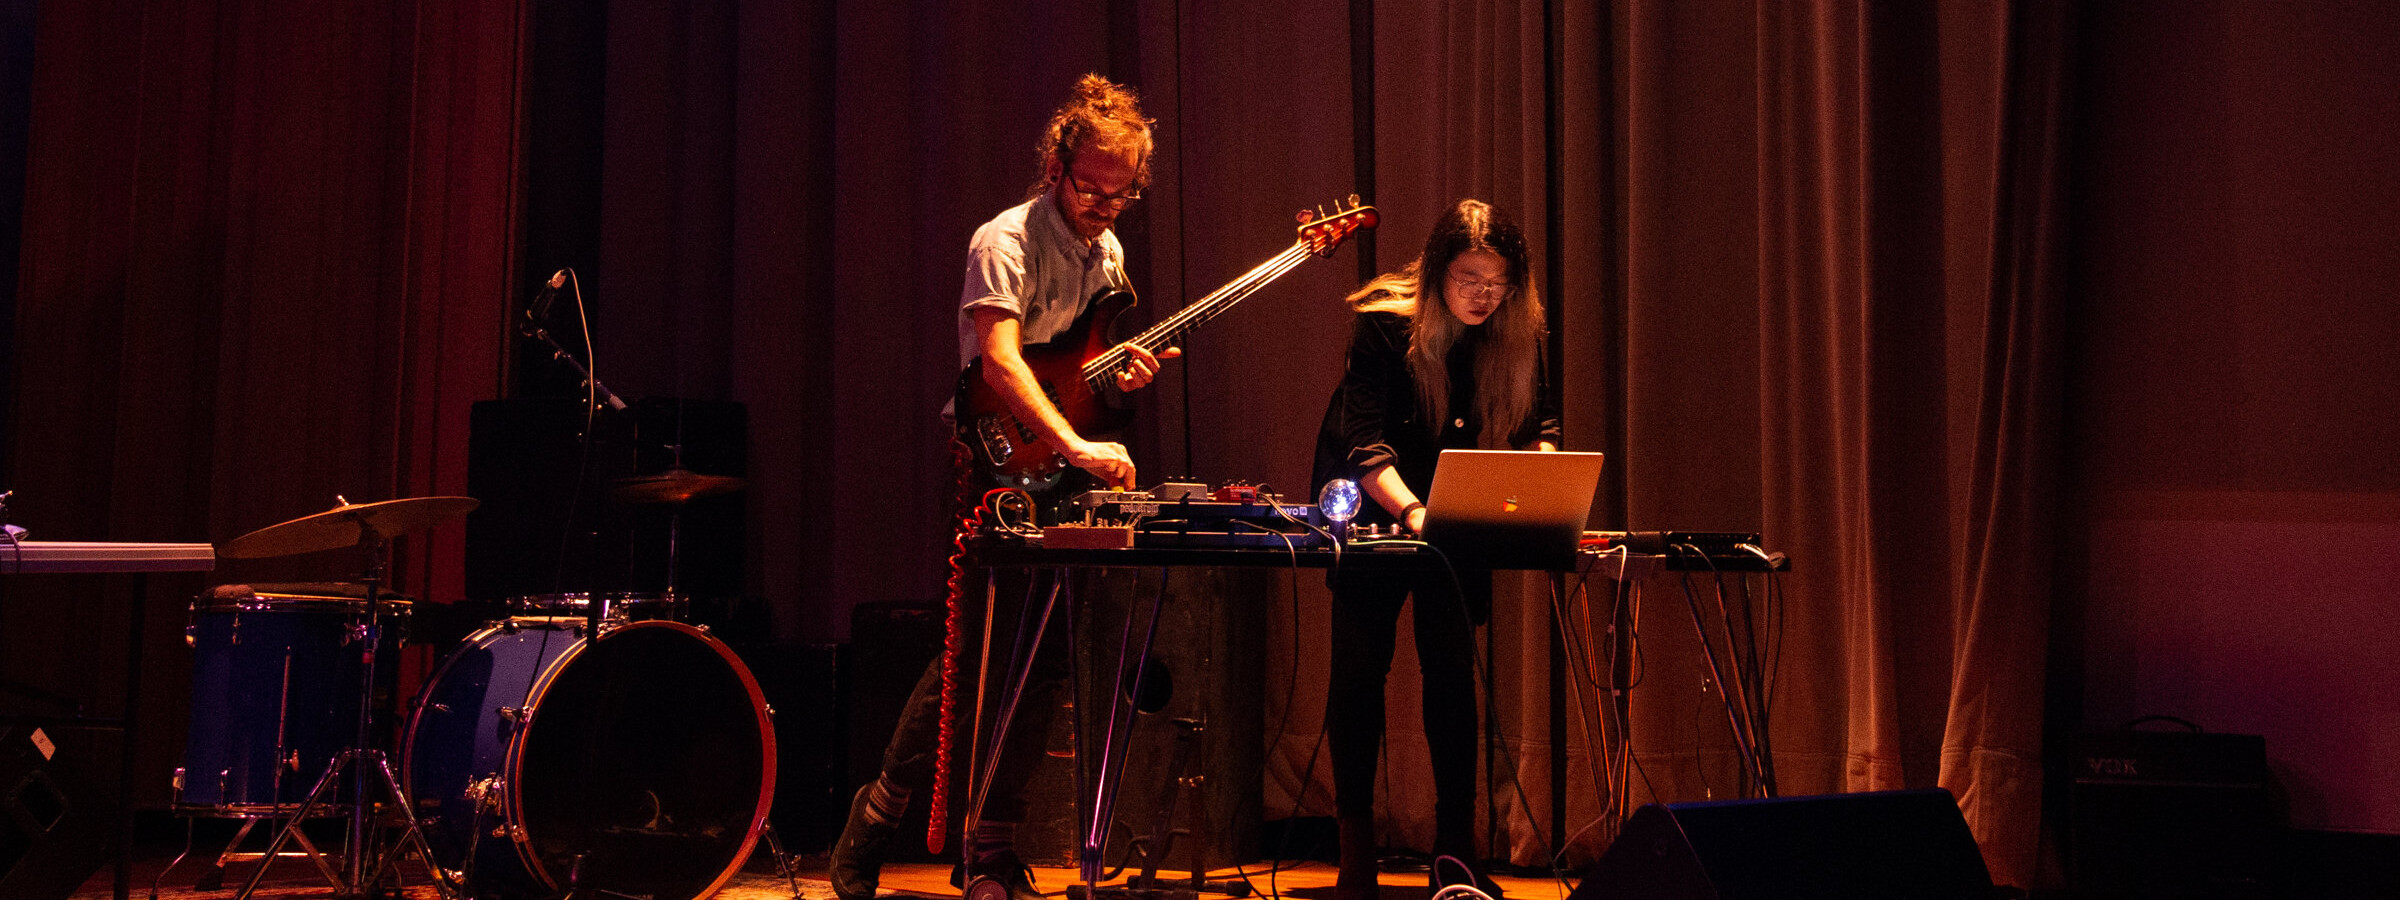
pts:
pixel 1188 515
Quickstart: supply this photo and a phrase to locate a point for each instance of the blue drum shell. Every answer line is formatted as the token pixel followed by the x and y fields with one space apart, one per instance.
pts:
pixel 275 696
pixel 643 762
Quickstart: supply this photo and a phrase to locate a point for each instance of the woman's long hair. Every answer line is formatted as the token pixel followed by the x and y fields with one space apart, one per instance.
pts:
pixel 1510 356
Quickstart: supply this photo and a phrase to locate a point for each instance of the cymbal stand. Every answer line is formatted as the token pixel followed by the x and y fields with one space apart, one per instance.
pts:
pixel 674 538
pixel 675 524
pixel 372 765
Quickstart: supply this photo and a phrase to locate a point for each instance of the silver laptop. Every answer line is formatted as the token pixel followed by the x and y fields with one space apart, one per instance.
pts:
pixel 1510 509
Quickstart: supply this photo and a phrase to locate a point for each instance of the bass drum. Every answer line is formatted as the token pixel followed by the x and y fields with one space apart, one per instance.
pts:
pixel 639 764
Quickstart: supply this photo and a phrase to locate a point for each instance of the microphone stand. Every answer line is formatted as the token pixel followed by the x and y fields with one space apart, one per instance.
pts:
pixel 533 329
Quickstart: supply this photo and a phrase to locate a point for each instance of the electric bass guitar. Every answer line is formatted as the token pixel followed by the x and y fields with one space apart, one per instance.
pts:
pixel 1074 366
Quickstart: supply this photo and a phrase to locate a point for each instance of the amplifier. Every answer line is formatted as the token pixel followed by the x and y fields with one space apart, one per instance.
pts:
pixel 2170 814
pixel 1709 543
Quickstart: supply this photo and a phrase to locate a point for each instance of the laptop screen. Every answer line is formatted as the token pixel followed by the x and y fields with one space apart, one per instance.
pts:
pixel 1510 509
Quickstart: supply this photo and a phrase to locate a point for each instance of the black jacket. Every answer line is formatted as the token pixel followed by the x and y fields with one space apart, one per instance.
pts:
pixel 1374 418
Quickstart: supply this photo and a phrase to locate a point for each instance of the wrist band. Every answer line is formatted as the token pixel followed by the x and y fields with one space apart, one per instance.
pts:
pixel 1413 506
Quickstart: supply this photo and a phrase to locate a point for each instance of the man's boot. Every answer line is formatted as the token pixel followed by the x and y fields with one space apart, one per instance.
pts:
pixel 857 864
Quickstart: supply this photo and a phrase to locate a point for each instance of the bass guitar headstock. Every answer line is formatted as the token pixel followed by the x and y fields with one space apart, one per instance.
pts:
pixel 1324 233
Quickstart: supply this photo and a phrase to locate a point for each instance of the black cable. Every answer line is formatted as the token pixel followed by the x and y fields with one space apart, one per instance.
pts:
pixel 1762 732
pixel 1573 642
pixel 1624 765
pixel 1737 688
pixel 1776 604
pixel 1630 643
pixel 1308 773
pixel 1749 758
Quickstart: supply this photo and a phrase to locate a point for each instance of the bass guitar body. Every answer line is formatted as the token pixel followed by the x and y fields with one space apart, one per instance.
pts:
pixel 1009 453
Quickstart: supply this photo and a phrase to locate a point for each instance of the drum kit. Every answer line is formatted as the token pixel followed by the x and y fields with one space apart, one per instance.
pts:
pixel 581 745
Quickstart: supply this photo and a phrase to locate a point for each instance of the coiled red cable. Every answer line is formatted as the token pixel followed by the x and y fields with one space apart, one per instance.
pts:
pixel 954 641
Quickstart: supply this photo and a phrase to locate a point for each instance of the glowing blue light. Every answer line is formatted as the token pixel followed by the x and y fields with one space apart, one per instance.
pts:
pixel 1339 500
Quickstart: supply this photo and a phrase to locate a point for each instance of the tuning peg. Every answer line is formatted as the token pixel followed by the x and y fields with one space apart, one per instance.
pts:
pixel 1304 217
pixel 1353 201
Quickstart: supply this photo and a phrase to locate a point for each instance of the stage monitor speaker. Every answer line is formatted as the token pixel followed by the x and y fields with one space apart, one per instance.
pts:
pixel 52 835
pixel 1887 844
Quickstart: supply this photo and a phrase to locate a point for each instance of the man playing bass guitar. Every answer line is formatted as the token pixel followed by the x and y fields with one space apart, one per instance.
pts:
pixel 1031 273
pixel 1033 270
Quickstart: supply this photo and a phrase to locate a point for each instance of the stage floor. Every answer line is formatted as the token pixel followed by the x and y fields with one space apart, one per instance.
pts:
pixel 296 879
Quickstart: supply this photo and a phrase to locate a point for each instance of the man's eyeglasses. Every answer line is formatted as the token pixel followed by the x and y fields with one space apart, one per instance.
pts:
pixel 1465 288
pixel 1095 197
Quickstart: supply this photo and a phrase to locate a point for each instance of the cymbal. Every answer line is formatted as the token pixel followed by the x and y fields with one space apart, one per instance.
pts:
pixel 675 485
pixel 348 525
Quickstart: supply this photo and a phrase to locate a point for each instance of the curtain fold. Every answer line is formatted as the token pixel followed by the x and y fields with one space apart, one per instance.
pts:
pixel 1991 753
pixel 1836 306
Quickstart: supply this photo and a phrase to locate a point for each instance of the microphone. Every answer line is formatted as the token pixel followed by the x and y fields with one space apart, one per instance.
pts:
pixel 539 309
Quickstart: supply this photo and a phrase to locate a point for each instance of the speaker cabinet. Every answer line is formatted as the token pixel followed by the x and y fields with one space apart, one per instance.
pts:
pixel 890 646
pixel 1192 749
pixel 52 836
pixel 552 520
pixel 802 684
pixel 1193 752
pixel 1888 844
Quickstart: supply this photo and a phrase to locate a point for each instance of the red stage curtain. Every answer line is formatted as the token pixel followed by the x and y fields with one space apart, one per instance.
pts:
pixel 268 255
pixel 1800 253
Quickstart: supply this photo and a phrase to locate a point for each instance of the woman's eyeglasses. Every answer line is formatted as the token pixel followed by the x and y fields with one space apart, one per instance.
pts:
pixel 1466 288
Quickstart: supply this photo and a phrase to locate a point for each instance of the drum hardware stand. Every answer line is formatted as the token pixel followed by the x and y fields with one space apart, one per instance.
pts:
pixel 786 864
pixel 213 877
pixel 363 823
pixel 676 488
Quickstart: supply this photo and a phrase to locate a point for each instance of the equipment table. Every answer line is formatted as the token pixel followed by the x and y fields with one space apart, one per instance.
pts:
pixel 1096 801
pixel 106 557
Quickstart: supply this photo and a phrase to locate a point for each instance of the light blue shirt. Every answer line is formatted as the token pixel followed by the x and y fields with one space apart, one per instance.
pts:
pixel 1031 263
